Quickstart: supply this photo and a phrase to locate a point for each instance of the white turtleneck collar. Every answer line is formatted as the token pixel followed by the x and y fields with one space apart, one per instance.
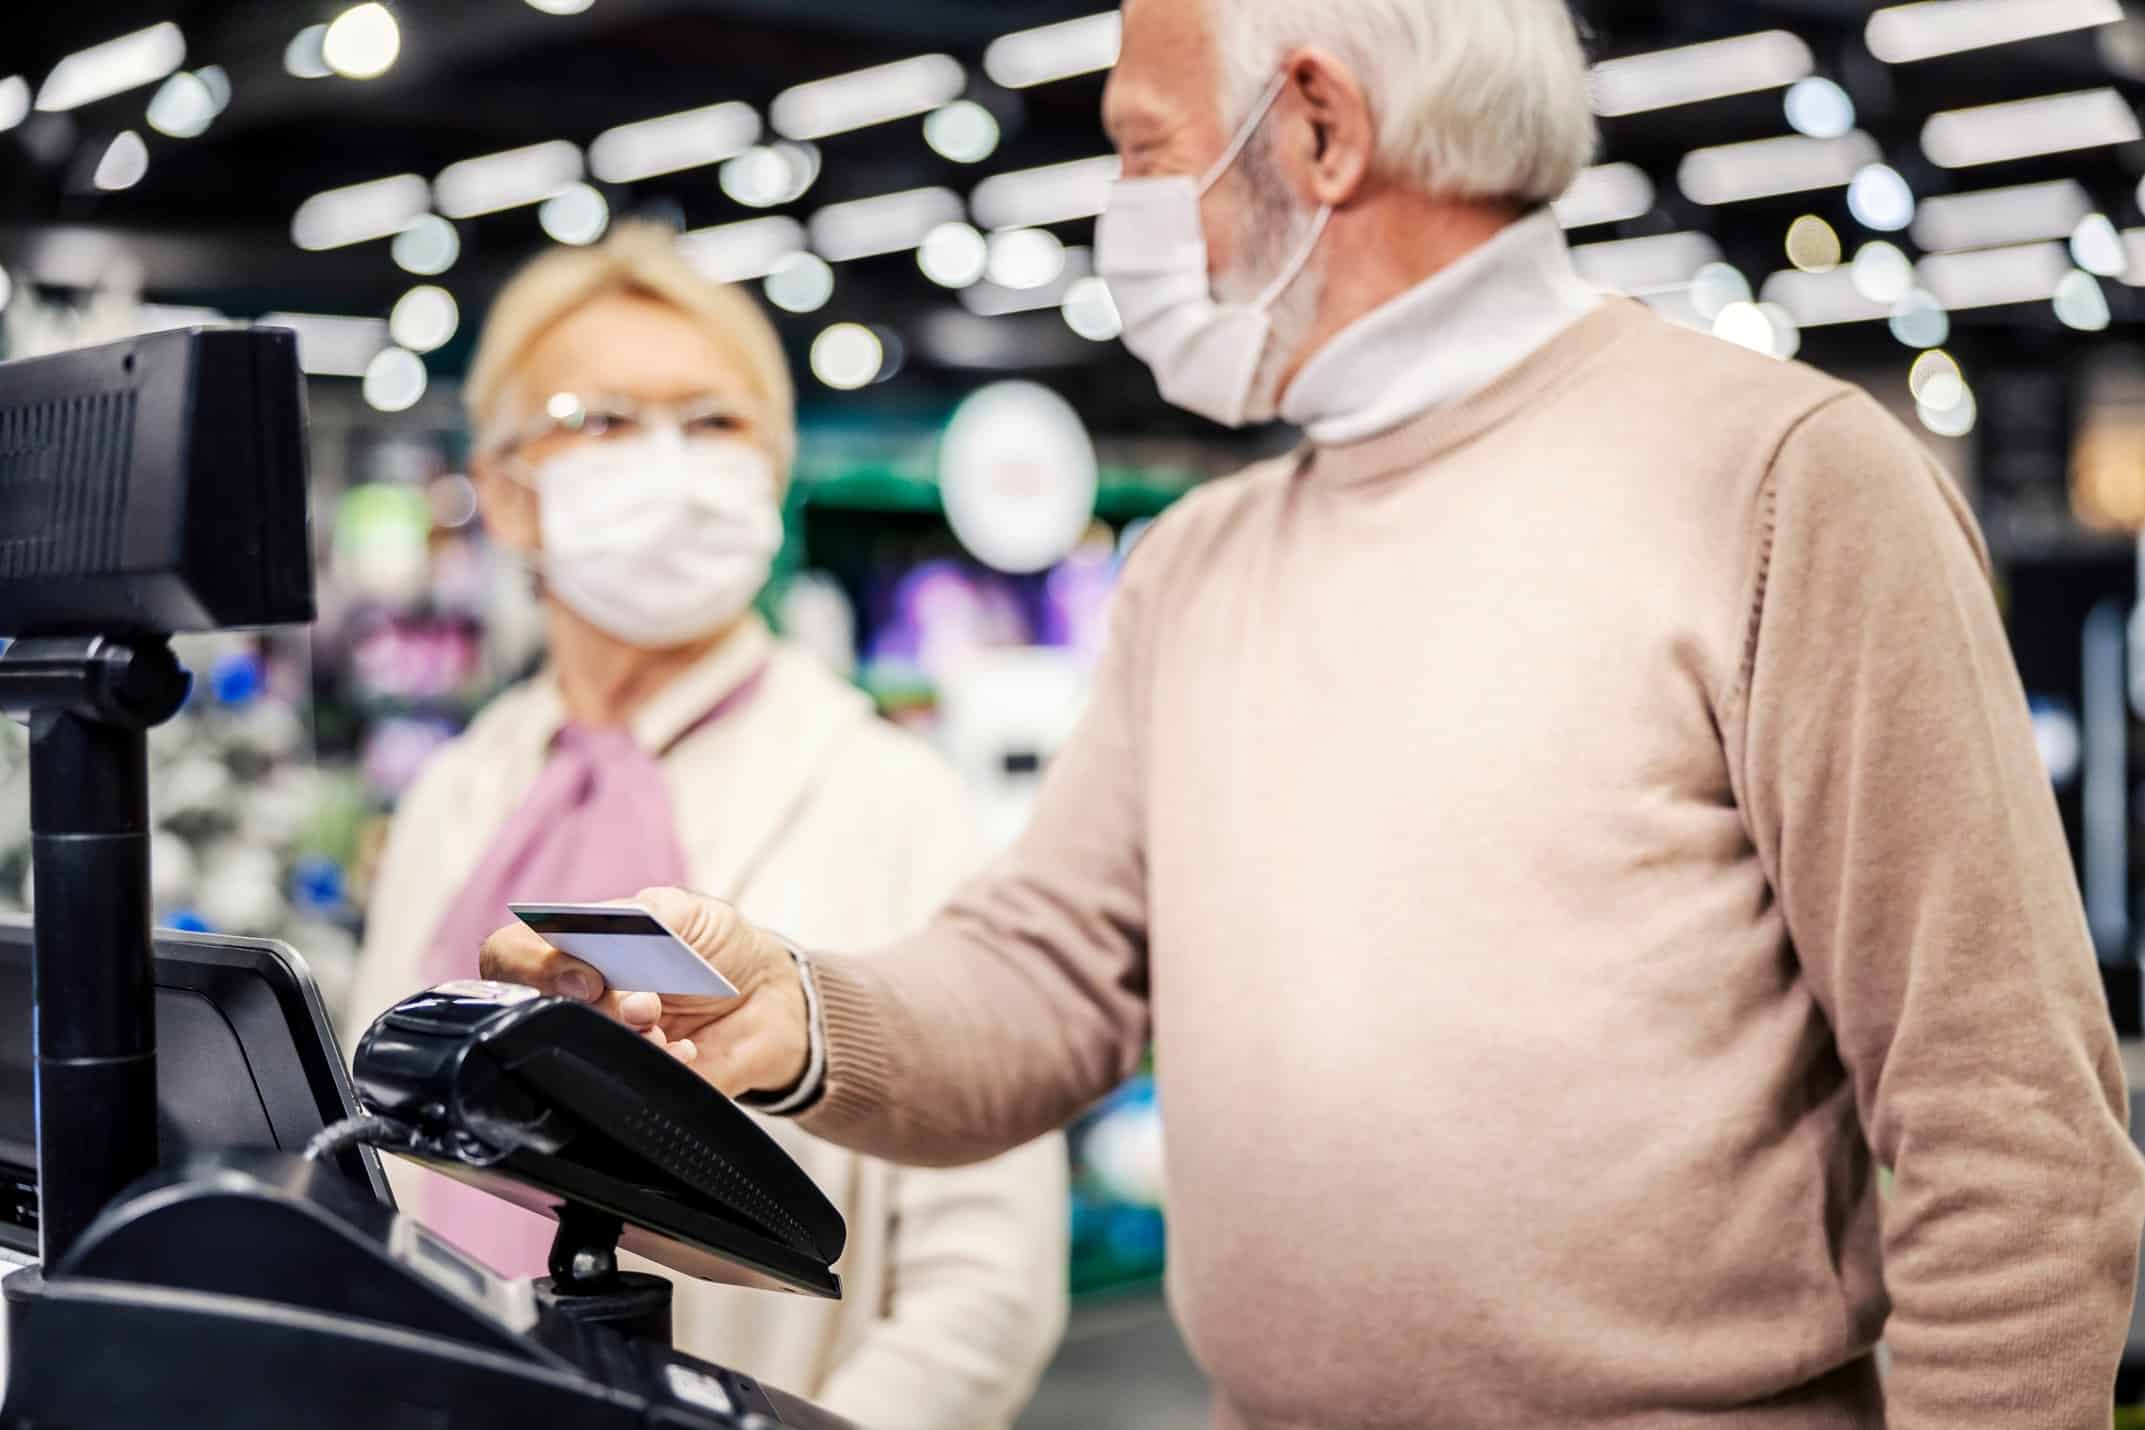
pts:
pixel 1447 337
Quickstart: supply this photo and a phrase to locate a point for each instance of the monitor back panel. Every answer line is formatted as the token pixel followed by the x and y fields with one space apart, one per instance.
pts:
pixel 245 1058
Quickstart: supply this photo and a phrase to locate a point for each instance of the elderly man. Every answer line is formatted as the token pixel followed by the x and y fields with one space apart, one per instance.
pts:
pixel 1566 828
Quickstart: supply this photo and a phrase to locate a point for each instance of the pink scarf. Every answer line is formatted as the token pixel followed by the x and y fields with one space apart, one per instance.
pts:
pixel 597 824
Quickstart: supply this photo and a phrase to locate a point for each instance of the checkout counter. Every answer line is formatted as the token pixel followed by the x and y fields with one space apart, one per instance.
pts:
pixel 249 1061
pixel 266 1252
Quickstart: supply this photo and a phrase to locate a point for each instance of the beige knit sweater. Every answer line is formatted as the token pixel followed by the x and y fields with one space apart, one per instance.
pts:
pixel 1553 847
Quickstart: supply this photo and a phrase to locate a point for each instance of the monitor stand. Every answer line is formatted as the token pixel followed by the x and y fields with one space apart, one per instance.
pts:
pixel 91 701
pixel 586 1287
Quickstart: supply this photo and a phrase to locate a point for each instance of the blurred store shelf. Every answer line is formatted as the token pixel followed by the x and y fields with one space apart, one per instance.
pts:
pixel 1122 495
pixel 2046 532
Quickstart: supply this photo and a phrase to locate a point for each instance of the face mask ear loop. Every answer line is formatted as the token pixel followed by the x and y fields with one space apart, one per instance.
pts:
pixel 1289 274
pixel 1244 131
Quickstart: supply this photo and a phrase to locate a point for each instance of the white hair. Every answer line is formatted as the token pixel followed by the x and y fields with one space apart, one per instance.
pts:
pixel 1474 99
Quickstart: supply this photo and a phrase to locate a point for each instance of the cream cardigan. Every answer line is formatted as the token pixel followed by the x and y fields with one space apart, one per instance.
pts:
pixel 831 826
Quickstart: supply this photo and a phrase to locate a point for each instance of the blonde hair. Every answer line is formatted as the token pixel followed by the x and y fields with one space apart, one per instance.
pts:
pixel 641 259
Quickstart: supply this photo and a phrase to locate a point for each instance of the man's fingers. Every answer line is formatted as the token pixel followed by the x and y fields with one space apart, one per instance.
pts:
pixel 752 1048
pixel 578 981
pixel 517 954
pixel 710 927
pixel 735 1067
pixel 739 1044
pixel 514 954
pixel 675 909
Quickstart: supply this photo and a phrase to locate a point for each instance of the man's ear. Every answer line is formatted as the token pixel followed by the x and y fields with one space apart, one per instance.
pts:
pixel 1331 139
pixel 507 506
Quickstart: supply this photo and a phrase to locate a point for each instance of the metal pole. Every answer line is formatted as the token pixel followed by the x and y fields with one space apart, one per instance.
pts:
pixel 92 978
pixel 91 975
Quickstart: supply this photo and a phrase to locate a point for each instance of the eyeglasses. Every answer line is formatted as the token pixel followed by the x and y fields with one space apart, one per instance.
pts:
pixel 570 419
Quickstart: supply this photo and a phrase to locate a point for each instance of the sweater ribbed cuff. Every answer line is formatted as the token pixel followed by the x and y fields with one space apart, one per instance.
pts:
pixel 806 1093
pixel 859 1054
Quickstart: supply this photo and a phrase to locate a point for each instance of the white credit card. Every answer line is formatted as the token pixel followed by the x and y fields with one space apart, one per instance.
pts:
pixel 628 946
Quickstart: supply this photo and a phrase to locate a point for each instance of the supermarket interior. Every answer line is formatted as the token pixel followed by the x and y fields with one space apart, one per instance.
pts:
pixel 1938 201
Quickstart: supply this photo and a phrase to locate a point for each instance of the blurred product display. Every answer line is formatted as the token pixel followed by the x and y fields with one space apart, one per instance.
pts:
pixel 1117 1224
pixel 254 835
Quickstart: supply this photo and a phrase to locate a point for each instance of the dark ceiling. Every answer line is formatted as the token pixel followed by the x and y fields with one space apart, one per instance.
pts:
pixel 210 223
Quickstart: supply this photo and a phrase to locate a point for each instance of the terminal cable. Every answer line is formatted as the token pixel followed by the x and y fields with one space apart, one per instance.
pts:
pixel 367 1128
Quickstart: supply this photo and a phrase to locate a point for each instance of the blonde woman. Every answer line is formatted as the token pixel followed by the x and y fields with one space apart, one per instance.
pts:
pixel 634 429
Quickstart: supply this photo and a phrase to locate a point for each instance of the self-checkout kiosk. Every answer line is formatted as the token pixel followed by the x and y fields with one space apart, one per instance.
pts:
pixel 187 1174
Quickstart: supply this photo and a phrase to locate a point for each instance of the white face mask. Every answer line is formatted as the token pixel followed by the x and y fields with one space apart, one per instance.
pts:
pixel 657 540
pixel 1152 251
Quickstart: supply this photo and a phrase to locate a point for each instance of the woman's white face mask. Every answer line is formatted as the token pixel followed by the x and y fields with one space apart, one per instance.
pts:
pixel 658 539
pixel 1152 251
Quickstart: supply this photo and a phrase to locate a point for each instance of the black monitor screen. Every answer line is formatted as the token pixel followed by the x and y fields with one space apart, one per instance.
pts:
pixel 245 1058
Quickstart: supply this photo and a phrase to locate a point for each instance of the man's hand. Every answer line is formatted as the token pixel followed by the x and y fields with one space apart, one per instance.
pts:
pixel 759 1041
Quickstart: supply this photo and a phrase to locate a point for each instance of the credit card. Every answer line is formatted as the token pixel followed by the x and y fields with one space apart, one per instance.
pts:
pixel 633 951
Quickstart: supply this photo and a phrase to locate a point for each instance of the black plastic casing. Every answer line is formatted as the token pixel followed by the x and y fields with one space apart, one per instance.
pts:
pixel 155 485
pixel 259 1291
pixel 245 1058
pixel 541 1101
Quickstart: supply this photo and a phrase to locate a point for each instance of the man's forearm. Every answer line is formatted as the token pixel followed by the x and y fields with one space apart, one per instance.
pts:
pixel 1025 999
pixel 949 1049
